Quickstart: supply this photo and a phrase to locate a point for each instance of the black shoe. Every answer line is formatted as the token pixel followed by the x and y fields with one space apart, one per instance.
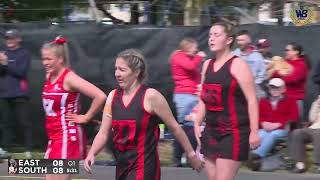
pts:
pixel 254 162
pixel 300 167
pixel 254 156
pixel 254 165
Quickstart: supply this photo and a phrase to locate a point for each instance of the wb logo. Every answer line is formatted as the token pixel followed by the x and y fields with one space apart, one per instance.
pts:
pixel 302 13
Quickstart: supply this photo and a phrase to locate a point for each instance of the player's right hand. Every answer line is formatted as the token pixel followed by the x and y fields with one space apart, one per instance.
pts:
pixel 88 162
pixel 77 118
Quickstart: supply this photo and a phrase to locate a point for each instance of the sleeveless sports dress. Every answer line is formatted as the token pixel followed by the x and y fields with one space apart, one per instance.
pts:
pixel 136 135
pixel 67 140
pixel 227 130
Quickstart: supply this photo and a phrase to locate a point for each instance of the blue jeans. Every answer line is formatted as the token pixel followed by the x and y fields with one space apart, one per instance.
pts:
pixel 184 105
pixel 268 139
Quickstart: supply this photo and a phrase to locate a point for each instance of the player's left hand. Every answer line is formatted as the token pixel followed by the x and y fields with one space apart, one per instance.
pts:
pixel 254 140
pixel 76 118
pixel 88 162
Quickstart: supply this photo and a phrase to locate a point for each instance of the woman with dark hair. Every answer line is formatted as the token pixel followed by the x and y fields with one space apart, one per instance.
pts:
pixel 130 112
pixel 296 78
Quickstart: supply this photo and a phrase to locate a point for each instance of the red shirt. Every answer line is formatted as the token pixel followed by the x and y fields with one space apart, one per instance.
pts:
pixel 295 82
pixel 57 102
pixel 286 110
pixel 185 72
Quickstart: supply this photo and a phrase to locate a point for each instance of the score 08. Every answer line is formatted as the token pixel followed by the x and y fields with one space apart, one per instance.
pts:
pixel 57 163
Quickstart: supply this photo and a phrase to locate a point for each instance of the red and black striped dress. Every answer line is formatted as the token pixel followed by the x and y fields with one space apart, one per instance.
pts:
pixel 136 135
pixel 227 130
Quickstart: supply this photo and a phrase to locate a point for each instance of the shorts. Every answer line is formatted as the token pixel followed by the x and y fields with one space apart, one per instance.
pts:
pixel 228 146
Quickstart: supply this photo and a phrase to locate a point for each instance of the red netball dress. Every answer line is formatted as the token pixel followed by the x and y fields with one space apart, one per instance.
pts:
pixel 66 139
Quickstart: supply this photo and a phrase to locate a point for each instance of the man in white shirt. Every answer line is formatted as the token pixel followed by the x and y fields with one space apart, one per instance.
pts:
pixel 307 134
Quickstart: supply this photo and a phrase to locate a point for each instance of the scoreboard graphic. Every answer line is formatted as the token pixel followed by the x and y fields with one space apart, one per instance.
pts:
pixel 43 166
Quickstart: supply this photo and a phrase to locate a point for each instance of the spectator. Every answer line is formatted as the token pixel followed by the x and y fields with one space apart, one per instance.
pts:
pixel 14 64
pixel 185 66
pixel 316 75
pixel 296 78
pixel 2 68
pixel 278 64
pixel 263 46
pixel 250 54
pixel 307 134
pixel 275 113
pixel 192 117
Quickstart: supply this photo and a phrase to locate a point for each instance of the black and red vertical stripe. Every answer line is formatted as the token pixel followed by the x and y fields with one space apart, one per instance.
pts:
pixel 136 136
pixel 227 120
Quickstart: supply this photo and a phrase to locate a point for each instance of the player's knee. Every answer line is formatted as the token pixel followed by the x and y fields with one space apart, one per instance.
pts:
pixel 211 174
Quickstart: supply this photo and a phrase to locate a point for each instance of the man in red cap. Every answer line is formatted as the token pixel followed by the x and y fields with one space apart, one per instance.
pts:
pixel 263 46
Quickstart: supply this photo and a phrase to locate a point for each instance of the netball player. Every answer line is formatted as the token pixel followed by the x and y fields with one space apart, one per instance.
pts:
pixel 131 112
pixel 60 97
pixel 228 103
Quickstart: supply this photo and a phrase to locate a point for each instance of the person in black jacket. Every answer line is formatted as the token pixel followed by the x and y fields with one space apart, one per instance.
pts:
pixel 14 95
pixel 316 75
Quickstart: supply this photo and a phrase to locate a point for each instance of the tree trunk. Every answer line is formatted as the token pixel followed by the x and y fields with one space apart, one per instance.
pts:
pixel 176 13
pixel 277 9
pixel 153 14
pixel 134 14
pixel 192 13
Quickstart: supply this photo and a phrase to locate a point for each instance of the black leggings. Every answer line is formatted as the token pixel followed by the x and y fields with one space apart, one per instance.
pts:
pixel 13 111
pixel 178 150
